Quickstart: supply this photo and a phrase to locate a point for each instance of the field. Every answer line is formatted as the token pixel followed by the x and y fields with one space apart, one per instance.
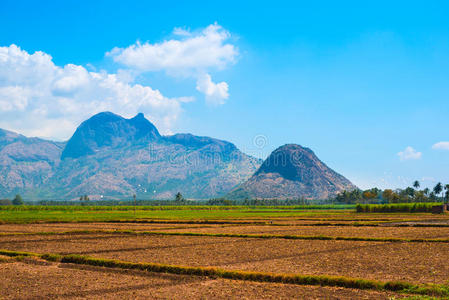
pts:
pixel 222 252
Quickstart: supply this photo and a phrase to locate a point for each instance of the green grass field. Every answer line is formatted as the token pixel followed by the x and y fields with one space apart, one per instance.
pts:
pixel 30 214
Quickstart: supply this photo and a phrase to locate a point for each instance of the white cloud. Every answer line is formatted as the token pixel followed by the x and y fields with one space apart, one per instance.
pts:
pixel 194 51
pixel 181 31
pixel 39 98
pixel 216 93
pixel 191 55
pixel 409 154
pixel 441 146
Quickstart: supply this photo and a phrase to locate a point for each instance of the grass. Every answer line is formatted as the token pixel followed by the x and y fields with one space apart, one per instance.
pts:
pixel 197 214
pixel 320 280
pixel 169 207
pixel 33 214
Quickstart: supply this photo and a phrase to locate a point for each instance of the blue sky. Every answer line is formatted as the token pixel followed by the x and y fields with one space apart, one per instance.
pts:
pixel 358 83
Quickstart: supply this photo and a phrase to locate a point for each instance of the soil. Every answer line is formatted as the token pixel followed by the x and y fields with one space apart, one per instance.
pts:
pixel 413 262
pixel 347 231
pixel 67 281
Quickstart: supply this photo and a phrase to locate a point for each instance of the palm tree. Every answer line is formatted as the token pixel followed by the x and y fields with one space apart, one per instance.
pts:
pixel 426 192
pixel 438 188
pixel 416 184
pixel 179 197
pixel 446 196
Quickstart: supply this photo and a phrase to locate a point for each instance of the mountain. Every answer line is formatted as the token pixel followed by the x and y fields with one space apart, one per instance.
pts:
pixel 292 172
pixel 26 164
pixel 107 130
pixel 115 157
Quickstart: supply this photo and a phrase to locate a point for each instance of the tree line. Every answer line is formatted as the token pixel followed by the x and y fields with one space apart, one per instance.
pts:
pixel 16 201
pixel 411 194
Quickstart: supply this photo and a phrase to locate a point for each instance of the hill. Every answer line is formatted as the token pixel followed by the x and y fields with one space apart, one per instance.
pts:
pixel 292 172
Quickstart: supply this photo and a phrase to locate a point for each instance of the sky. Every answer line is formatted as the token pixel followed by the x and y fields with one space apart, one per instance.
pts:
pixel 364 85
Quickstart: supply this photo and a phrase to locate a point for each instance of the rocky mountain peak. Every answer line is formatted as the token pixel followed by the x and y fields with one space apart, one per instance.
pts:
pixel 107 129
pixel 293 171
pixel 292 162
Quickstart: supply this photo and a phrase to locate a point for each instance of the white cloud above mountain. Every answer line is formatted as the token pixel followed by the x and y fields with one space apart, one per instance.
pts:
pixel 39 98
pixel 409 153
pixel 190 54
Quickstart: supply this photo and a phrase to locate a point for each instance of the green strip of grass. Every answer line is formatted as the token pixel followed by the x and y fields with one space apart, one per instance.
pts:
pixel 70 208
pixel 320 280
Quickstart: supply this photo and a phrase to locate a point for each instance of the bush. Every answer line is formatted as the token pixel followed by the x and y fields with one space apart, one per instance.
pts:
pixel 17 200
pixel 397 207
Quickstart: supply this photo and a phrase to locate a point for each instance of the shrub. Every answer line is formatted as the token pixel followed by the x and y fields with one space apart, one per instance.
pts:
pixel 397 207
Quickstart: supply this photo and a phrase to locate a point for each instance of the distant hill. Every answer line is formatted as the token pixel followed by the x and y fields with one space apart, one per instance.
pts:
pixel 26 164
pixel 117 157
pixel 292 171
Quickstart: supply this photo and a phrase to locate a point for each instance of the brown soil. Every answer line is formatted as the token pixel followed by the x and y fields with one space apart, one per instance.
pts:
pixel 66 281
pixel 414 262
pixel 58 227
pixel 350 231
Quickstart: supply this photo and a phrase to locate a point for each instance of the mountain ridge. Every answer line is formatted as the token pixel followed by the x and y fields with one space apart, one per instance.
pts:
pixel 112 156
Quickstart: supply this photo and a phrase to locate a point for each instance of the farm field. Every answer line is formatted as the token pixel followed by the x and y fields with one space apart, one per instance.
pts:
pixel 411 248
pixel 58 281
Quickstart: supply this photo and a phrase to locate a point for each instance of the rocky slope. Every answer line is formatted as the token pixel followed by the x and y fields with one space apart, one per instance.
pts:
pixel 292 172
pixel 26 164
pixel 116 157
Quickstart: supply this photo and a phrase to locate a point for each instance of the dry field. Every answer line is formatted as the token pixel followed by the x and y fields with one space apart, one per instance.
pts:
pixel 69 281
pixel 419 263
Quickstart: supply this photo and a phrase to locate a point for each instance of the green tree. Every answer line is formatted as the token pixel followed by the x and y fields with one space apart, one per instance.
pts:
pixel 17 200
pixel 369 195
pixel 438 189
pixel 420 197
pixel 446 195
pixel 416 184
pixel 410 193
pixel 179 197
pixel 388 195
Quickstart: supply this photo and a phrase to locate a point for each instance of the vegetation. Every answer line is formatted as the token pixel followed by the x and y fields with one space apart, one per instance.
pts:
pixel 181 201
pixel 179 197
pixel 5 202
pixel 439 193
pixel 319 280
pixel 17 200
pixel 36 213
pixel 397 207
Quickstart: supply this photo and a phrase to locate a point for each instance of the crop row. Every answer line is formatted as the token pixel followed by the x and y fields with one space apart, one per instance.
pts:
pixel 319 280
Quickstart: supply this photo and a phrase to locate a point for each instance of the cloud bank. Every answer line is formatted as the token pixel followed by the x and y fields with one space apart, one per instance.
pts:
pixel 191 54
pixel 39 98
